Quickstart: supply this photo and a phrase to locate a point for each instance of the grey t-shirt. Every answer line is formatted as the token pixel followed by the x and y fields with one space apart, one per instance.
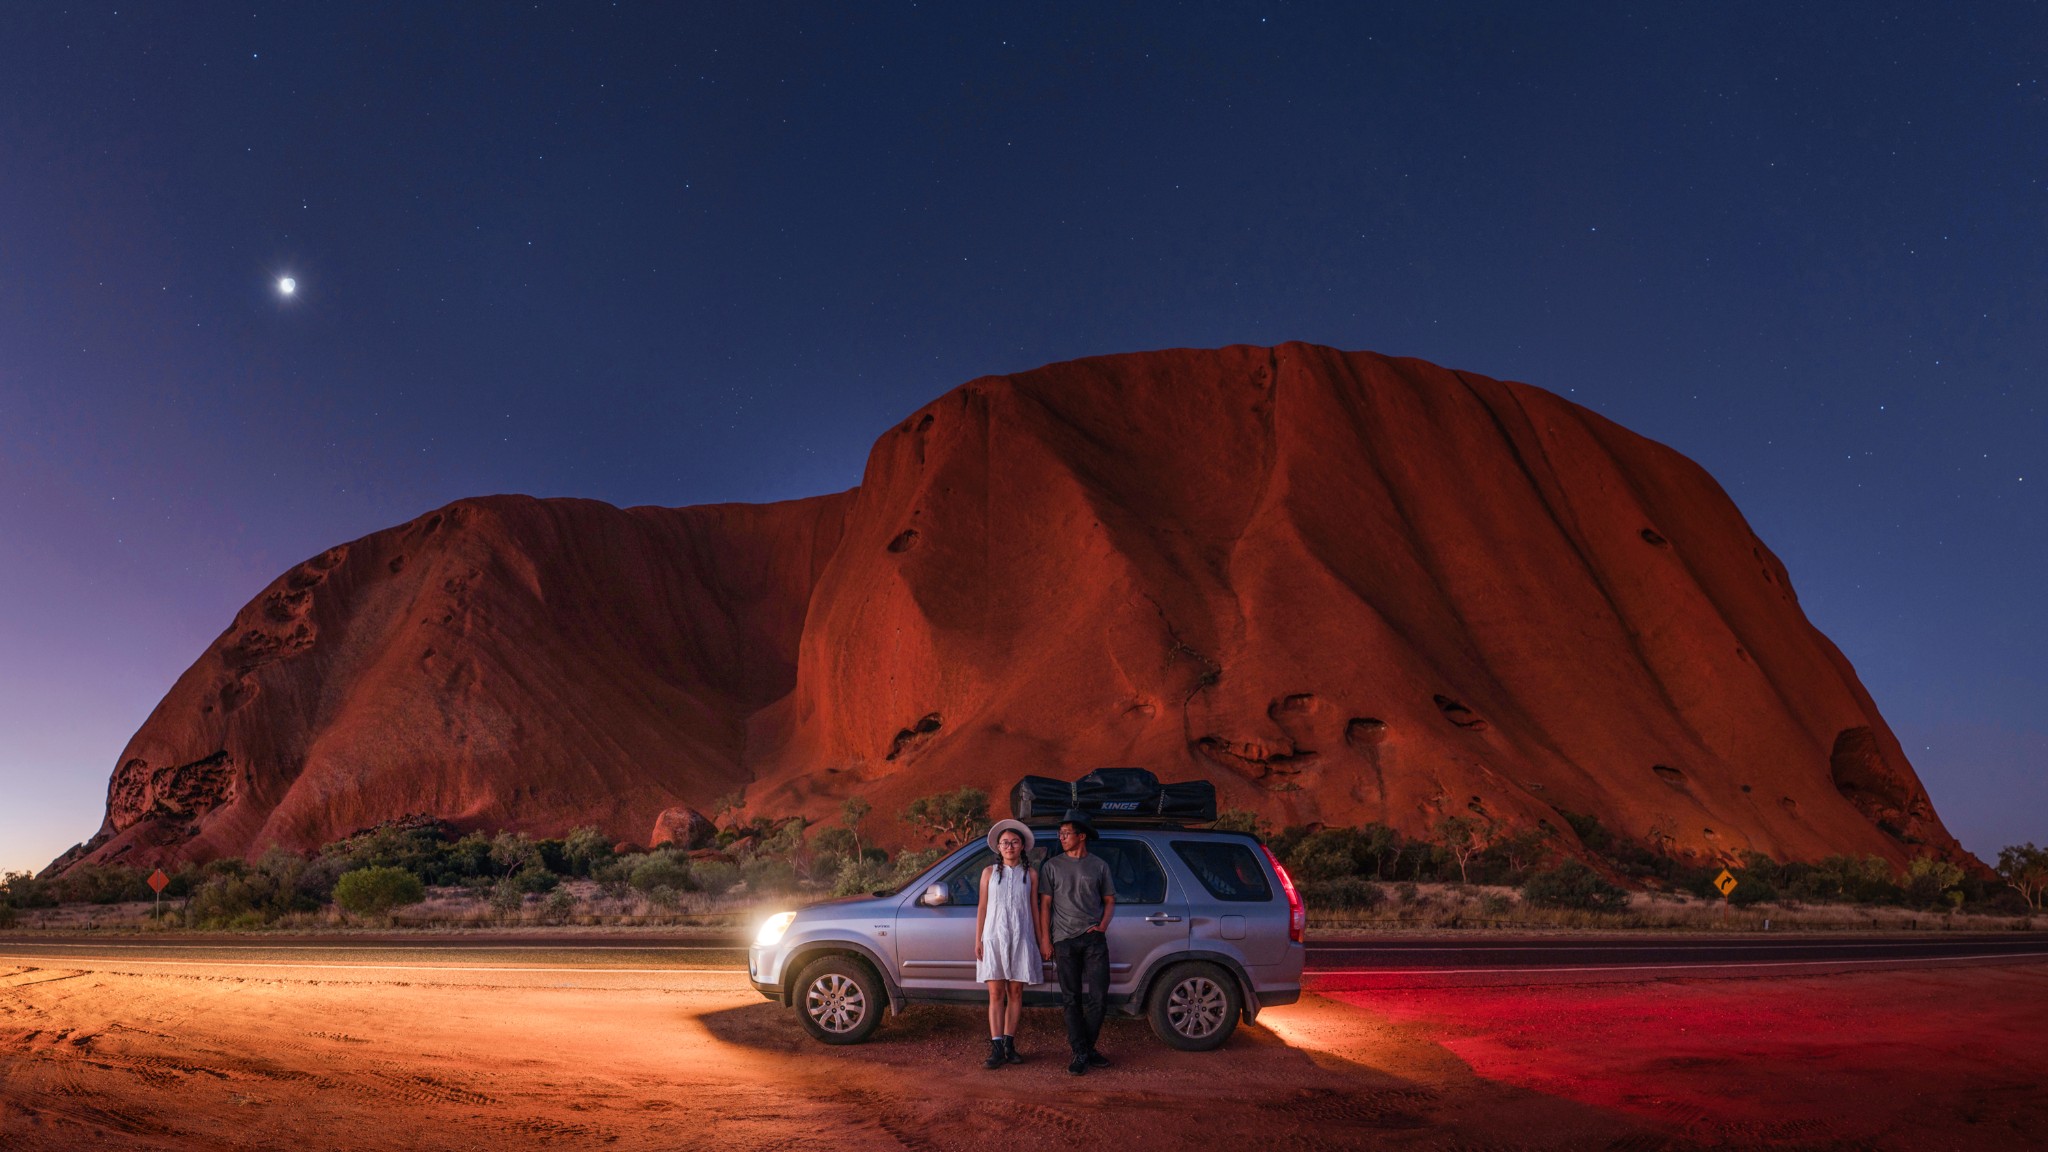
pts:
pixel 1077 888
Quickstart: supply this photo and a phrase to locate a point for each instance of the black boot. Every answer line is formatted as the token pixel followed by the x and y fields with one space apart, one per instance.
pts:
pixel 1010 1054
pixel 995 1053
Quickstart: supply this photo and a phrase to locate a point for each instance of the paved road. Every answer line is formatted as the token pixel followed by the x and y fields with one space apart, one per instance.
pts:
pixel 1390 962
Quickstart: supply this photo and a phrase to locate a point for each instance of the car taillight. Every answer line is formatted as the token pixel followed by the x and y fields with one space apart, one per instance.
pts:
pixel 1297 916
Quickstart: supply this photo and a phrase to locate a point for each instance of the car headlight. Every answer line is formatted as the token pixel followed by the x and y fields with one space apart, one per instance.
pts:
pixel 773 928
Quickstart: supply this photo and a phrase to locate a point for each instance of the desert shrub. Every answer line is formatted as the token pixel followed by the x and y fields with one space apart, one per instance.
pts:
pixel 2024 869
pixel 661 869
pixel 1929 881
pixel 1241 820
pixel 1494 904
pixel 953 817
pixel 23 890
pixel 1847 879
pixel 664 898
pixel 910 865
pixel 557 907
pixel 515 852
pixel 715 876
pixel 507 897
pixel 768 875
pixel 1751 888
pixel 836 841
pixel 1406 892
pixel 1571 884
pixel 860 877
pixel 1353 893
pixel 101 884
pixel 586 849
pixel 536 879
pixel 376 891
pixel 1324 855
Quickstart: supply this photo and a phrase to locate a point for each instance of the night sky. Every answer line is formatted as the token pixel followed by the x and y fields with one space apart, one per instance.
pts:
pixel 657 257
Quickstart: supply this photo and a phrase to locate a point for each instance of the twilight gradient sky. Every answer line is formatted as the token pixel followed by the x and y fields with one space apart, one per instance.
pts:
pixel 654 257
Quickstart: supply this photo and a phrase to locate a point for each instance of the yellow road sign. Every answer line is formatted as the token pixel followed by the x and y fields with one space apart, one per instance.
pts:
pixel 1725 882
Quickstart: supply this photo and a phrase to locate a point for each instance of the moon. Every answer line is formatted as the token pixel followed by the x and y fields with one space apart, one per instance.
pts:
pixel 286 286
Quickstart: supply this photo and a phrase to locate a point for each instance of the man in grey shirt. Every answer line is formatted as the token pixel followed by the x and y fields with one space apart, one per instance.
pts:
pixel 1076 898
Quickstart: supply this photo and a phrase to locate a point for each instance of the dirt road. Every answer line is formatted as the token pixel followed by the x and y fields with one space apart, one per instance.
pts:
pixel 309 1054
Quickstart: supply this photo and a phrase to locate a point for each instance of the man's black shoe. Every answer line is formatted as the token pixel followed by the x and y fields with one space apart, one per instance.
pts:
pixel 1096 1059
pixel 1010 1050
pixel 1079 1066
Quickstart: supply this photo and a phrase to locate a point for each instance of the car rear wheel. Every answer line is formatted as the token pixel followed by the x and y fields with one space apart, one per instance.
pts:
pixel 1195 1007
pixel 839 999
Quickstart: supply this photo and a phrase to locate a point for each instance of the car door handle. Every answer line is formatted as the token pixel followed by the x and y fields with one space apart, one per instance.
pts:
pixel 1161 918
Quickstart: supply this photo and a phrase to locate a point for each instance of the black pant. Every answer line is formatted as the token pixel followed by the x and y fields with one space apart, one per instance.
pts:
pixel 1083 958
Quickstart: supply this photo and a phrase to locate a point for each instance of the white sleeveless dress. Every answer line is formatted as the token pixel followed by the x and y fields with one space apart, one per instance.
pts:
pixel 1009 944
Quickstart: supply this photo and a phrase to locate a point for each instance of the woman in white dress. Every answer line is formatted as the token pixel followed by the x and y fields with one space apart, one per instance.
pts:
pixel 1006 938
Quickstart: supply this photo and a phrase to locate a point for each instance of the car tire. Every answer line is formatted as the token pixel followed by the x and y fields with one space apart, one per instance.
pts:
pixel 839 999
pixel 1194 1007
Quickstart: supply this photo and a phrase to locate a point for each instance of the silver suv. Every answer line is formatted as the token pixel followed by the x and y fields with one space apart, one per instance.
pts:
pixel 1207 930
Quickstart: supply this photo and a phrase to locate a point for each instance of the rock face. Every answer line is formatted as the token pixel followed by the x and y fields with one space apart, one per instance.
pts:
pixel 1342 586
pixel 685 828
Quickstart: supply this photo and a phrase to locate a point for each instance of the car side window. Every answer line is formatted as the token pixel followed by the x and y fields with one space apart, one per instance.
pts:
pixel 963 883
pixel 1228 871
pixel 1139 878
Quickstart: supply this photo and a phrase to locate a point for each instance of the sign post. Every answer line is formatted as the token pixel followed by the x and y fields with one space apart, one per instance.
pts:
pixel 157 883
pixel 1724 884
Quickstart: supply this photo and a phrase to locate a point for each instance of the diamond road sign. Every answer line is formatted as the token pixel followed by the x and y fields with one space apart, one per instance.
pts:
pixel 1725 882
pixel 158 881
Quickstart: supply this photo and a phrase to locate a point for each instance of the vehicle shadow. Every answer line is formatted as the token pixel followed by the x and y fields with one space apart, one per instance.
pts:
pixel 1315 1075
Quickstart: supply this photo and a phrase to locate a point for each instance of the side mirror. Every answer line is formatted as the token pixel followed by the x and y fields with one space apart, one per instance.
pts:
pixel 936 895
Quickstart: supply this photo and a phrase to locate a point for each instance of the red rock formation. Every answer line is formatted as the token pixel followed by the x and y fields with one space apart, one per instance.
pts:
pixel 1344 587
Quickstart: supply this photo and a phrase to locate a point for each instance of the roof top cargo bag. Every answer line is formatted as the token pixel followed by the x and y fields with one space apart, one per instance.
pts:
pixel 1109 795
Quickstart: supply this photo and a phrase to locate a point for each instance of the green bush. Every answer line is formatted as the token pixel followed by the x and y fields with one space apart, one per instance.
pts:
pixel 586 849
pixel 768 876
pixel 714 876
pixel 557 907
pixel 507 897
pixel 955 817
pixel 661 869
pixel 1573 885
pixel 1241 820
pixel 1325 855
pixel 1346 892
pixel 376 891
pixel 860 877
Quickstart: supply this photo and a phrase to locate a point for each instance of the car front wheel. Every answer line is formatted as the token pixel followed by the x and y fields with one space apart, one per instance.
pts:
pixel 1195 1007
pixel 839 999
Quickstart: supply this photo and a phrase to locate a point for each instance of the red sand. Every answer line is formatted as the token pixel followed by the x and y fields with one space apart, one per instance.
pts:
pixel 199 1057
pixel 1343 586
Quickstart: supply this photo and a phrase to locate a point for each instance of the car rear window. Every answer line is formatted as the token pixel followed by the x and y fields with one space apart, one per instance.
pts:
pixel 1135 870
pixel 1229 871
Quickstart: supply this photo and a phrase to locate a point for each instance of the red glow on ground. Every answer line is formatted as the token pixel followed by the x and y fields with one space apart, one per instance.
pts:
pixel 1857 1056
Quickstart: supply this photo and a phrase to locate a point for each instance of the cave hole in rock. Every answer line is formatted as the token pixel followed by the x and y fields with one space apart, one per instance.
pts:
pixel 1745 788
pixel 1671 776
pixel 911 736
pixel 904 541
pixel 1458 714
pixel 432 525
pixel 1295 704
pixel 1652 537
pixel 397 564
pixel 926 423
pixel 1365 730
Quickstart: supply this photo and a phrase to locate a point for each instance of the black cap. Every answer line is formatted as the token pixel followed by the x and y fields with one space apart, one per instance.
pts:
pixel 1077 817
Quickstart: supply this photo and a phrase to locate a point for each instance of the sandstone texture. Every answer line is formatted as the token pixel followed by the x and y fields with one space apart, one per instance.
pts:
pixel 1343 586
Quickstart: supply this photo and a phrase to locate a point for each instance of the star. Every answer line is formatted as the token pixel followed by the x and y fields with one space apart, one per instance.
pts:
pixel 286 286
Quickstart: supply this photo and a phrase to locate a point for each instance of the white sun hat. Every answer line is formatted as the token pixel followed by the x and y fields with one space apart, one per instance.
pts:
pixel 1016 826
